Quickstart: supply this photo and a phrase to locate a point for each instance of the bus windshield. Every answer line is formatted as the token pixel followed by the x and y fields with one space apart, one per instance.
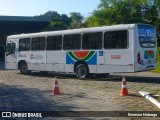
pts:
pixel 147 36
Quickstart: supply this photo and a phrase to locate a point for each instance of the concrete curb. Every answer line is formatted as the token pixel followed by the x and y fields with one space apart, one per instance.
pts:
pixel 147 96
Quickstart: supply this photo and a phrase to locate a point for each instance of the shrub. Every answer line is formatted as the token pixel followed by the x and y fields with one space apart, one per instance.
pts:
pixel 158 67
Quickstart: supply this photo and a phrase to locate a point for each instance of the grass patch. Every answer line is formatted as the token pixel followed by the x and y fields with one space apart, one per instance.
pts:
pixel 158 66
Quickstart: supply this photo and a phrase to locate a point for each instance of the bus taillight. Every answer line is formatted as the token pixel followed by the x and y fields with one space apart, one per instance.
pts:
pixel 139 58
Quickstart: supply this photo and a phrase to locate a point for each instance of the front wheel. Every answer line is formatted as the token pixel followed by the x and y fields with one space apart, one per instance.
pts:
pixel 24 69
pixel 82 71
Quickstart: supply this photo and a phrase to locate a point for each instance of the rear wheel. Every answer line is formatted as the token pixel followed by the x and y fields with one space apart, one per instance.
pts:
pixel 82 71
pixel 24 69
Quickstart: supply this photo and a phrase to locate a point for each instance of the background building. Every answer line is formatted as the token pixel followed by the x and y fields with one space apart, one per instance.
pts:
pixel 10 25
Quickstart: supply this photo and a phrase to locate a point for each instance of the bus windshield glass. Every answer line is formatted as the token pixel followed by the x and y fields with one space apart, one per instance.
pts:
pixel 147 36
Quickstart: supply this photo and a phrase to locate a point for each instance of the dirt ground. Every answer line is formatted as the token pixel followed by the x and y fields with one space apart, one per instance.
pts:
pixel 33 92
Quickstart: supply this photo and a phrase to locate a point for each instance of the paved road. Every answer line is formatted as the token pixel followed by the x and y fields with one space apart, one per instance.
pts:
pixel 33 92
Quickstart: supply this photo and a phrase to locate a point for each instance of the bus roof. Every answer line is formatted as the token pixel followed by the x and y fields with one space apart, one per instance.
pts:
pixel 73 31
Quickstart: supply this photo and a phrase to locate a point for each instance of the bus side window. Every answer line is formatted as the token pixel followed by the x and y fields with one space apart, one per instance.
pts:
pixel 123 39
pixel 54 42
pixel 24 44
pixel 72 42
pixel 116 39
pixel 38 43
pixel 92 40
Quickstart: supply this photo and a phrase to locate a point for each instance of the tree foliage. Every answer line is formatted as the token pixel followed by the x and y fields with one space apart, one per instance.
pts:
pixel 57 21
pixel 123 11
pixel 117 12
pixel 77 20
pixel 110 12
pixel 62 22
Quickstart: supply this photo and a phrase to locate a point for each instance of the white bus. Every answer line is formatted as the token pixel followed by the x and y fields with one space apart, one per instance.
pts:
pixel 97 50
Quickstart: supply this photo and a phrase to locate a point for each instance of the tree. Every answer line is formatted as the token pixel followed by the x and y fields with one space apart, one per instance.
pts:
pixel 110 12
pixel 157 2
pixel 155 15
pixel 66 20
pixel 53 15
pixel 77 19
pixel 117 12
pixel 123 11
pixel 57 21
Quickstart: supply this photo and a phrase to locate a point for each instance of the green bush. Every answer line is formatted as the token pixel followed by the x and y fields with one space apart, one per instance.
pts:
pixel 158 67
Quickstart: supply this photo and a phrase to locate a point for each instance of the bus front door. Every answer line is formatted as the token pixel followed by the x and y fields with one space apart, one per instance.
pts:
pixel 11 60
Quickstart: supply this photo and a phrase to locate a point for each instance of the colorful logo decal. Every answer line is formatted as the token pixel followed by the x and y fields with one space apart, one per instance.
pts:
pixel 89 56
pixel 149 54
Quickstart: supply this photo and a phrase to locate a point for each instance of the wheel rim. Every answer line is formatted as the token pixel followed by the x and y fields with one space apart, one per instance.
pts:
pixel 24 69
pixel 81 72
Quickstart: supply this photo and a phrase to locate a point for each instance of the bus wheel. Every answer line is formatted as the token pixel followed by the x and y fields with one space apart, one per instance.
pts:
pixel 24 69
pixel 82 71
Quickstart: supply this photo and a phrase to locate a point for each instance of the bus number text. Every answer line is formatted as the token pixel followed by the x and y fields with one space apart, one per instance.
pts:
pixel 115 56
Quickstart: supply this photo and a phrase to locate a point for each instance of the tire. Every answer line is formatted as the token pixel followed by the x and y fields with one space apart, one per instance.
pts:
pixel 24 69
pixel 82 71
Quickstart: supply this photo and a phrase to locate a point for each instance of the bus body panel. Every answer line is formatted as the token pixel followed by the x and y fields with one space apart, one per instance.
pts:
pixel 35 60
pixel 98 61
pixel 56 57
pixel 114 68
pixel 103 61
pixel 56 61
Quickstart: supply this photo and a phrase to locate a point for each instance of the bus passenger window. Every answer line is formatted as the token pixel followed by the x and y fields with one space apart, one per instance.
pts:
pixel 72 42
pixel 92 40
pixel 116 39
pixel 38 43
pixel 54 42
pixel 24 44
